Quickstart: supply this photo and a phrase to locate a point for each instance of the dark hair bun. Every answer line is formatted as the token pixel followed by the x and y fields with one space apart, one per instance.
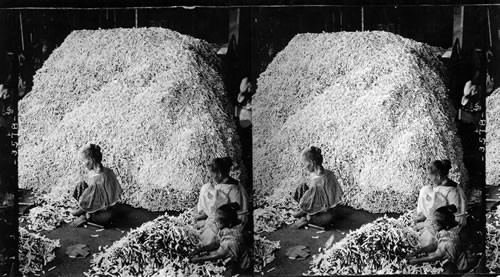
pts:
pixel 221 165
pixel 228 161
pixel 446 164
pixel 452 208
pixel 313 153
pixel 315 150
pixel 229 213
pixel 93 152
pixel 441 167
pixel 95 147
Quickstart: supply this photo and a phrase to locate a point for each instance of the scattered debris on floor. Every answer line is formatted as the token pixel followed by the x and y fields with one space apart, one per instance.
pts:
pixel 35 252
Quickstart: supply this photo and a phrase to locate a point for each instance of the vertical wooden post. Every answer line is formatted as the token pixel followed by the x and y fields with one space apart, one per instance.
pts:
pixel 341 27
pixel 489 26
pixel 114 18
pixel 136 18
pixel 234 25
pixel 362 18
pixel 22 31
pixel 458 25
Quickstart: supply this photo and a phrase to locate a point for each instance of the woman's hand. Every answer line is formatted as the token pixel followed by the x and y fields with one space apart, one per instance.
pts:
pixel 194 259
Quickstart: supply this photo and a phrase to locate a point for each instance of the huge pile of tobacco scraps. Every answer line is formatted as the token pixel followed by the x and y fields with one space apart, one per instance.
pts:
pixel 374 102
pixel 152 98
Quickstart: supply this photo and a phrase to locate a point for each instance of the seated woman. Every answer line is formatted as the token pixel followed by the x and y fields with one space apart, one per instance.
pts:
pixel 230 244
pixel 226 190
pixel 442 192
pixel 446 247
pixel 99 193
pixel 318 200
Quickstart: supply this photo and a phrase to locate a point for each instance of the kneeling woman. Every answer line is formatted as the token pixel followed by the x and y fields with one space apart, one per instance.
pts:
pixel 446 247
pixel 99 193
pixel 226 190
pixel 230 244
pixel 318 199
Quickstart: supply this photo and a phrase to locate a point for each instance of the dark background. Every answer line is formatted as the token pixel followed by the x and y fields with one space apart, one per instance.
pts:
pixel 269 26
pixel 263 31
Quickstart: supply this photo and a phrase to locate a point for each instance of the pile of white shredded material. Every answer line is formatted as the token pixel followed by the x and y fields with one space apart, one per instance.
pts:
pixel 45 218
pixel 35 252
pixel 157 248
pixel 263 252
pixel 152 98
pixel 493 242
pixel 380 247
pixel 493 139
pixel 374 102
pixel 267 220
pixel 53 209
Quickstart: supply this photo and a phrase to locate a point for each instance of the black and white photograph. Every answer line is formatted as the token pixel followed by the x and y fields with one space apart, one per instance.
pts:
pixel 133 160
pixel 369 137
pixel 240 138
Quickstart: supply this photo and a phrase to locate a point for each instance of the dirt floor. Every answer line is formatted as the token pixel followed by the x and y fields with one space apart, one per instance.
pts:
pixel 283 266
pixel 127 218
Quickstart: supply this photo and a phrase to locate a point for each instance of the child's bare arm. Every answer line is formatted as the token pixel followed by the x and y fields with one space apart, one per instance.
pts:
pixel 217 255
pixel 423 250
pixel 432 257
pixel 207 248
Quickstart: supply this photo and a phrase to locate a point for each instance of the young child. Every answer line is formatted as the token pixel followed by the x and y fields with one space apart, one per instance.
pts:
pixel 445 247
pixel 230 245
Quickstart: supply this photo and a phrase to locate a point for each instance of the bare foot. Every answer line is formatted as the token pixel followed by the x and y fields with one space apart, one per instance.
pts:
pixel 299 223
pixel 77 212
pixel 298 214
pixel 78 221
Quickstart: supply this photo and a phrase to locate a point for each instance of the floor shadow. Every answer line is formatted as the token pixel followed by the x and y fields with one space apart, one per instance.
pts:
pixel 126 216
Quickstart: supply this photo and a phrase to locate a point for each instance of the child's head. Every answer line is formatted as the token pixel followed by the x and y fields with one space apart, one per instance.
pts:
pixel 311 157
pixel 444 217
pixel 92 156
pixel 220 168
pixel 439 170
pixel 227 215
